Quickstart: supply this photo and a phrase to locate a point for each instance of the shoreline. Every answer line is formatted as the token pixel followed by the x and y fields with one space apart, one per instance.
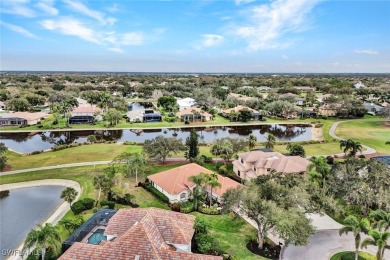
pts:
pixel 55 215
pixel 151 128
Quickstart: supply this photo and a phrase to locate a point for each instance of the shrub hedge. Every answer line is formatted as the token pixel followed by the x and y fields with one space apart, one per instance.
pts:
pixel 81 205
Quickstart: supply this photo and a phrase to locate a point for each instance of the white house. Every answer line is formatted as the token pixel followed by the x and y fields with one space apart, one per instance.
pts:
pixel 186 103
pixel 175 183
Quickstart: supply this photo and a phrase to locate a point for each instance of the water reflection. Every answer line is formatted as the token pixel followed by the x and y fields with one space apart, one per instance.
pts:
pixel 29 142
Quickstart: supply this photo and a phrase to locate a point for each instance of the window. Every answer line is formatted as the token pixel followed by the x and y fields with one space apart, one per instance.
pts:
pixel 238 173
pixel 183 196
pixel 242 161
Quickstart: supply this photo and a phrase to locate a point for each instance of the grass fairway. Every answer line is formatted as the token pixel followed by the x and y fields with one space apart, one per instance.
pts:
pixel 371 132
pixel 84 153
pixel 231 235
pixel 349 255
pixel 315 149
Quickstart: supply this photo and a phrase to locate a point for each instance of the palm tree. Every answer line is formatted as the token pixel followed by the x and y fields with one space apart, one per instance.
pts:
pixel 212 182
pixel 352 224
pixel 351 146
pixel 69 195
pixel 99 181
pixel 383 219
pixel 319 170
pixel 44 237
pixel 251 141
pixel 270 143
pixel 138 162
pixel 377 239
pixel 198 180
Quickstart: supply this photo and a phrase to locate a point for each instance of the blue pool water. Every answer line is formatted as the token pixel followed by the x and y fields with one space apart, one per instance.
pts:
pixel 96 237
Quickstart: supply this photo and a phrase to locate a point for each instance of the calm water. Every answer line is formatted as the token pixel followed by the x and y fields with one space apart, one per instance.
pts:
pixel 29 142
pixel 23 209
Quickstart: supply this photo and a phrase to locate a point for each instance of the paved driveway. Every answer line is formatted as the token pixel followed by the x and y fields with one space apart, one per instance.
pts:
pixel 322 245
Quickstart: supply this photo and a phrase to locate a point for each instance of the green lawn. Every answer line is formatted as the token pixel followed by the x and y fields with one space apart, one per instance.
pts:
pixel 349 255
pixel 315 149
pixel 371 132
pixel 231 235
pixel 83 153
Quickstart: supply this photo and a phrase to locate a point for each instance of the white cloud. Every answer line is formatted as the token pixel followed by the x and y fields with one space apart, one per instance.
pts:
pixel 18 29
pixel 133 38
pixel 47 7
pixel 210 40
pixel 284 57
pixel 369 52
pixel 240 2
pixel 71 26
pixel 17 7
pixel 270 23
pixel 81 8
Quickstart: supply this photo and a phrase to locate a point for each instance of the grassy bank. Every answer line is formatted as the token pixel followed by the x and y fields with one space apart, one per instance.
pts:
pixel 371 131
pixel 231 234
pixel 349 255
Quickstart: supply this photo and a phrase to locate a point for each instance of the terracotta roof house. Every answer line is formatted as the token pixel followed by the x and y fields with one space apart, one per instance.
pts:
pixel 194 114
pixel 175 185
pixel 255 163
pixel 329 109
pixel 84 114
pixel 255 114
pixel 140 233
pixel 21 118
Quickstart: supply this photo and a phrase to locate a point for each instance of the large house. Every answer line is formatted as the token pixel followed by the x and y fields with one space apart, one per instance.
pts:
pixel 21 118
pixel 175 183
pixel 256 163
pixel 255 114
pixel 84 114
pixel 143 115
pixel 194 114
pixel 185 103
pixel 329 109
pixel 139 233
pixel 372 108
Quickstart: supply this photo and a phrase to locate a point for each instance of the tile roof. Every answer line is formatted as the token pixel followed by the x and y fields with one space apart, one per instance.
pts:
pixel 85 109
pixel 144 233
pixel 25 115
pixel 238 108
pixel 275 161
pixel 175 181
pixel 190 111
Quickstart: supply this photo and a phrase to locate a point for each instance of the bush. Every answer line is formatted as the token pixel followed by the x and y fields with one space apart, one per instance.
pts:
pixel 209 211
pixel 175 206
pixel 186 207
pixel 156 193
pixel 110 204
pixel 36 152
pixel 91 138
pixel 223 170
pixel 81 205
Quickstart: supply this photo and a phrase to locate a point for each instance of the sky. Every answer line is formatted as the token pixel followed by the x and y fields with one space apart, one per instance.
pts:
pixel 215 36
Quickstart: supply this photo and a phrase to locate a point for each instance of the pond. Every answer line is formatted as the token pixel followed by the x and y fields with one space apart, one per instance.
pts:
pixel 23 209
pixel 28 142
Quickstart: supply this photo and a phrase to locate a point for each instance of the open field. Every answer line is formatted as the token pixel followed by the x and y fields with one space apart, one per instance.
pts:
pixel 231 234
pixel 315 149
pixel 371 132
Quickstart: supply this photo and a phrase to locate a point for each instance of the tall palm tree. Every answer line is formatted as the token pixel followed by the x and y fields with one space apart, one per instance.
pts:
pixel 198 180
pixel 383 219
pixel 212 182
pixel 69 195
pixel 319 170
pixel 251 141
pixel 44 237
pixel 100 182
pixel 352 224
pixel 378 239
pixel 270 143
pixel 351 146
pixel 138 162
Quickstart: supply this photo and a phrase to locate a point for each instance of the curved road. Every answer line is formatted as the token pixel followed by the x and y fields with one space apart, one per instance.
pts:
pixel 332 133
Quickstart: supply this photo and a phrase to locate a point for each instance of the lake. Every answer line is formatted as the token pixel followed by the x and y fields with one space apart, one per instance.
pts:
pixel 23 209
pixel 28 142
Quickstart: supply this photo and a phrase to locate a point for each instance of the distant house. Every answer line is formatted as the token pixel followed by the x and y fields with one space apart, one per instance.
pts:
pixel 186 103
pixel 194 114
pixel 329 109
pixel 84 114
pixel 372 109
pixel 359 85
pixel 323 98
pixel 2 106
pixel 252 164
pixel 299 101
pixel 137 234
pixel 256 115
pixel 240 97
pixel 176 186
pixel 305 88
pixel 143 115
pixel 21 118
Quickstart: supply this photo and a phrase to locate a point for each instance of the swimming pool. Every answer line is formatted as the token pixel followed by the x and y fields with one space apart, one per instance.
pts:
pixel 96 237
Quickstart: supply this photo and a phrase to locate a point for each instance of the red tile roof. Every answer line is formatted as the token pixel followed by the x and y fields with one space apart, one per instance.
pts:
pixel 26 115
pixel 190 111
pixel 144 233
pixel 175 181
